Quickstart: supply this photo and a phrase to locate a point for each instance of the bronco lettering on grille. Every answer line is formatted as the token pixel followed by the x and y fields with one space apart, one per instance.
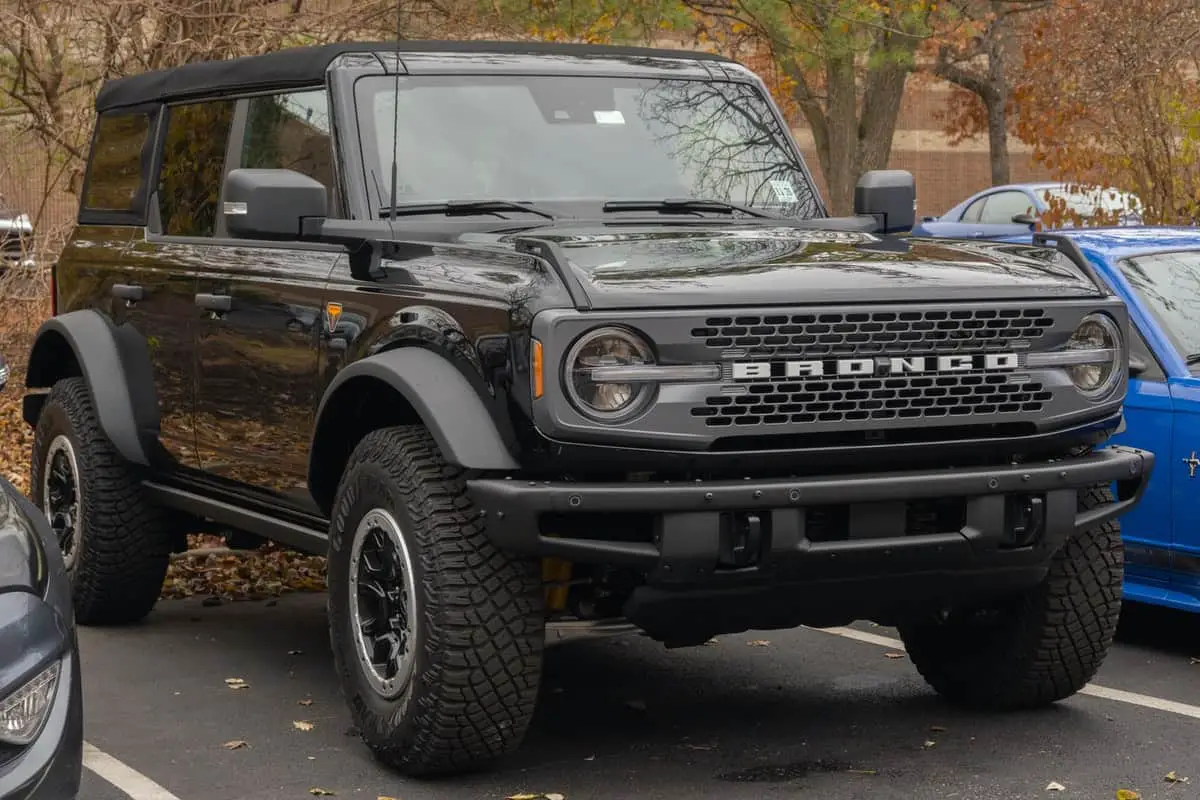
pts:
pixel 812 368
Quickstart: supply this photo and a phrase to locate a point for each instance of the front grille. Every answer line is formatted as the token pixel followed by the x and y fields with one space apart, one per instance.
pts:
pixel 876 333
pixel 859 399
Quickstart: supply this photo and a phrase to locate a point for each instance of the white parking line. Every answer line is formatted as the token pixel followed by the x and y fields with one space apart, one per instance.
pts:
pixel 1092 690
pixel 122 776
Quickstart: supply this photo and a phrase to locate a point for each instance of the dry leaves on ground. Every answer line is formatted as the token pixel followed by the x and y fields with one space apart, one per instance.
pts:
pixel 244 575
pixel 301 725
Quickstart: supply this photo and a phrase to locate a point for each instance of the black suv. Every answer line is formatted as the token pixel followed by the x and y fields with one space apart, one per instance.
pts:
pixel 529 334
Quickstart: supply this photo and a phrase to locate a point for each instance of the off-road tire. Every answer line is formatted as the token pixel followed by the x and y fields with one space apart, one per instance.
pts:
pixel 480 631
pixel 1042 646
pixel 125 539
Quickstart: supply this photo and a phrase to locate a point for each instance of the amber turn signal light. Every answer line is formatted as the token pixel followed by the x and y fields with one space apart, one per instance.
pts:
pixel 539 384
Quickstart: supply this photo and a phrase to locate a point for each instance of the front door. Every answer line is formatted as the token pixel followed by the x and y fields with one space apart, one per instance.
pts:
pixel 1183 468
pixel 1146 529
pixel 261 315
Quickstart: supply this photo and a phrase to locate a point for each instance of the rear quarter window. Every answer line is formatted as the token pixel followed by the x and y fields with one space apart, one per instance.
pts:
pixel 114 189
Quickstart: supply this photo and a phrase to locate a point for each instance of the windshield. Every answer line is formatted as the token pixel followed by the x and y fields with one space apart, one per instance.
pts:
pixel 1169 284
pixel 577 139
pixel 1085 202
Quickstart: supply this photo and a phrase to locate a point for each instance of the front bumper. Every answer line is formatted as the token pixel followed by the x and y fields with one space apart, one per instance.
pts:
pixel 763 535
pixel 34 633
pixel 49 767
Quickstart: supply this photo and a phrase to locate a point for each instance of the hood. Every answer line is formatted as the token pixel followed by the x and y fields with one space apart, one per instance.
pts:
pixel 754 265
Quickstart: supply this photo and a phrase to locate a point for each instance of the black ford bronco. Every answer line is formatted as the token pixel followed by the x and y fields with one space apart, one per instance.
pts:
pixel 533 335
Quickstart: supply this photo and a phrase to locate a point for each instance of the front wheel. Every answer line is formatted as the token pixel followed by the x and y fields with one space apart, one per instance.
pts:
pixel 1035 648
pixel 437 635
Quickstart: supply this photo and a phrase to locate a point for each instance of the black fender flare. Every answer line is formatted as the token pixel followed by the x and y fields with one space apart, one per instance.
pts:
pixel 115 363
pixel 443 398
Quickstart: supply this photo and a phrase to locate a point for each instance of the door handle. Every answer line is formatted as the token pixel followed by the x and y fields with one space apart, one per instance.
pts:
pixel 215 302
pixel 128 291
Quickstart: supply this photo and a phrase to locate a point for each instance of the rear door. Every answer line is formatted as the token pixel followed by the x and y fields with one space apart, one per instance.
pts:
pixel 145 288
pixel 261 315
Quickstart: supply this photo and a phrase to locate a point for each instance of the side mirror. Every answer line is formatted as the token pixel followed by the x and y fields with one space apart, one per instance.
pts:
pixel 1024 219
pixel 889 195
pixel 272 203
pixel 3 373
pixel 1137 365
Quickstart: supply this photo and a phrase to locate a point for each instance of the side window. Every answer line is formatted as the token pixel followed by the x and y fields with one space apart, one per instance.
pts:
pixel 1003 206
pixel 973 211
pixel 193 166
pixel 1141 348
pixel 115 174
pixel 291 131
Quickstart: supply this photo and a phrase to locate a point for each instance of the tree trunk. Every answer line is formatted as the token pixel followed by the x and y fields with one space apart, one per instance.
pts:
pixel 997 118
pixel 996 97
pixel 840 152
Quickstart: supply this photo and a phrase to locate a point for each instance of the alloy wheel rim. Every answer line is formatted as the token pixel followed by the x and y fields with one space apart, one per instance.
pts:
pixel 383 603
pixel 61 499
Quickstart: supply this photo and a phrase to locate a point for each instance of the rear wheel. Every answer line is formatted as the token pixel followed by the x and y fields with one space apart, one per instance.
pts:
pixel 1038 647
pixel 116 543
pixel 437 635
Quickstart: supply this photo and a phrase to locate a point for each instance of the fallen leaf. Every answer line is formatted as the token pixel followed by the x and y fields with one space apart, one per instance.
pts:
pixel 301 725
pixel 711 643
pixel 1194 660
pixel 384 797
pixel 700 746
pixel 1055 786
pixel 236 744
pixel 893 655
pixel 1128 794
pixel 319 792
pixel 295 652
pixel 863 771
pixel 929 743
pixel 937 729
pixel 523 797
pixel 234 681
pixel 554 796
pixel 759 643
pixel 304 702
pixel 636 705
pixel 1171 777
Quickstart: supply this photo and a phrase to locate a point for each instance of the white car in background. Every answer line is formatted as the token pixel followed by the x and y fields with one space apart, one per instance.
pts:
pixel 16 237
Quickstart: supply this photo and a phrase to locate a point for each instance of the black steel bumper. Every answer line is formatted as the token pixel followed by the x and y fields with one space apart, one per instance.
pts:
pixel 751 533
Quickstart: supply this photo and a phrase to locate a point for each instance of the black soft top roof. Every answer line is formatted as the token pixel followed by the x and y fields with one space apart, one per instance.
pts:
pixel 301 66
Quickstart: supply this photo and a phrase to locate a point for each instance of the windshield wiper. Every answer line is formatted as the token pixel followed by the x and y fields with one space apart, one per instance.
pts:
pixel 453 208
pixel 684 204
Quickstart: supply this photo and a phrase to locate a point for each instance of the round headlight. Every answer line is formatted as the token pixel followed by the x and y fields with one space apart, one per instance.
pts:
pixel 606 400
pixel 1098 378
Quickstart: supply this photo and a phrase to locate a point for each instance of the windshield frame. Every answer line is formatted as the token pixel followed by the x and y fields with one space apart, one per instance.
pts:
pixel 1123 263
pixel 377 186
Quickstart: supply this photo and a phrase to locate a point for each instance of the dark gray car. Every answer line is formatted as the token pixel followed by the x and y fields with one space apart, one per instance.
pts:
pixel 41 703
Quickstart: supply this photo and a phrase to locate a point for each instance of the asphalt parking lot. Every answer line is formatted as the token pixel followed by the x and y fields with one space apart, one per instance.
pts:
pixel 753 716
